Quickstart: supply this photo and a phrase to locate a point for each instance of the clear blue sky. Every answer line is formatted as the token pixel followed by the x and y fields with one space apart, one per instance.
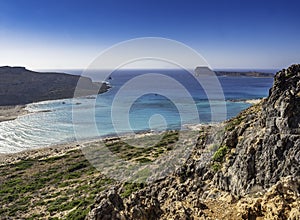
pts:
pixel 70 34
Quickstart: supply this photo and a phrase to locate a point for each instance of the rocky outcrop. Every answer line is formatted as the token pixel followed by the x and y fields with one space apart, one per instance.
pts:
pixel 279 202
pixel 246 169
pixel 265 142
pixel 21 86
pixel 110 205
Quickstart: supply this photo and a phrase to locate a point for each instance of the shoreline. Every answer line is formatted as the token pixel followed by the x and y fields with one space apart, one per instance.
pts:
pixel 12 112
pixel 42 152
pixel 250 101
pixel 9 113
pixel 61 149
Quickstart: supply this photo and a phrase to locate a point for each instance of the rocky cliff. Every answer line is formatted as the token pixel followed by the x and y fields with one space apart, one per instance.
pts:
pixel 21 86
pixel 264 141
pixel 246 168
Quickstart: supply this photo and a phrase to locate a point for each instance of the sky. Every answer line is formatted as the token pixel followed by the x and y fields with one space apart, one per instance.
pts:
pixel 69 34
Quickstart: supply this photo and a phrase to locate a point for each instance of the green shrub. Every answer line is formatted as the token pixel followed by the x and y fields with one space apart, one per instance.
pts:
pixel 129 188
pixel 233 123
pixel 55 158
pixel 220 153
pixel 78 214
pixel 144 160
pixel 216 166
pixel 78 166
pixel 24 164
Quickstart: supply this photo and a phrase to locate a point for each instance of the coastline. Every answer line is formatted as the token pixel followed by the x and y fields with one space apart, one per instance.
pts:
pixel 8 113
pixel 250 101
pixel 254 101
pixel 64 148
pixel 12 112
pixel 42 152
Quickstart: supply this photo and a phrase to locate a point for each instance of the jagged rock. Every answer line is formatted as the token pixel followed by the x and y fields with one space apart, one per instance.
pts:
pixel 280 202
pixel 109 208
pixel 269 147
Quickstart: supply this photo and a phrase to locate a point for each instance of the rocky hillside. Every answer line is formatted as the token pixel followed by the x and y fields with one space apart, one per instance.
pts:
pixel 248 168
pixel 264 141
pixel 21 86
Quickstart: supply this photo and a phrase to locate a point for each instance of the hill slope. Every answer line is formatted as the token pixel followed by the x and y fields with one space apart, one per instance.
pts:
pixel 21 86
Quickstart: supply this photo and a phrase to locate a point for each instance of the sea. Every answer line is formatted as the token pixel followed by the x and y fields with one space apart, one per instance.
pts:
pixel 168 100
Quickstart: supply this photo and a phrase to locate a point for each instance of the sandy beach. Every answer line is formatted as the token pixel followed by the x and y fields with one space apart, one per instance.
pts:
pixel 61 149
pixel 43 152
pixel 250 101
pixel 253 101
pixel 8 113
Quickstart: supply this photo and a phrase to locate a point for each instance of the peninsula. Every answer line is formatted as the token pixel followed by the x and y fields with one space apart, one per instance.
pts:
pixel 19 86
pixel 206 70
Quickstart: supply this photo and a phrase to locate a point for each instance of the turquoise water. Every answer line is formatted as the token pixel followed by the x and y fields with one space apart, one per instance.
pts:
pixel 52 122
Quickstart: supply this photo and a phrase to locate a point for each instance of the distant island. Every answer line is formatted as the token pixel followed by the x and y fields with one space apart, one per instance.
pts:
pixel 19 86
pixel 205 70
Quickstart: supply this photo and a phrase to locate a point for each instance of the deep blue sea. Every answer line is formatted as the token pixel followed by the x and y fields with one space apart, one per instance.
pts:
pixel 147 105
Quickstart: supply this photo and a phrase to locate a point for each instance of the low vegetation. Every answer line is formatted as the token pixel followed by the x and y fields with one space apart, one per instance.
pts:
pixel 143 154
pixel 243 116
pixel 233 123
pixel 61 187
pixel 220 153
pixel 129 188
pixel 216 166
pixel 218 158
pixel 65 186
